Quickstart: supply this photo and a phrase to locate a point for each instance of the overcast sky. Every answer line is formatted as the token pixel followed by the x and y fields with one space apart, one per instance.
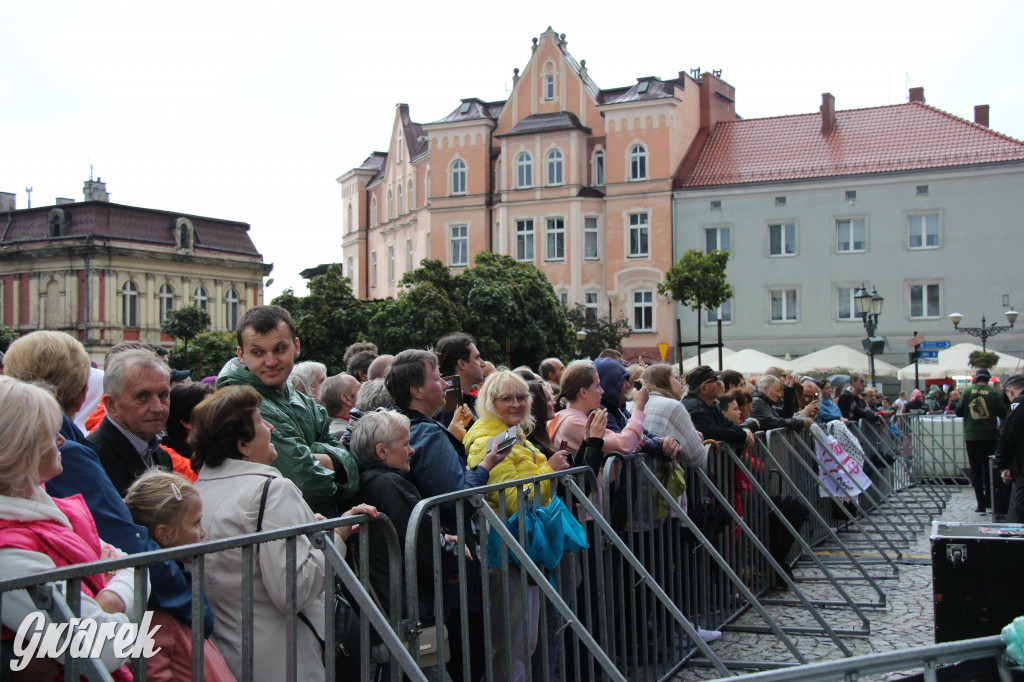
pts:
pixel 250 110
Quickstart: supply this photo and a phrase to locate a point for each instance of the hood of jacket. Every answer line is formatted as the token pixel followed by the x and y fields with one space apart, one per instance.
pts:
pixel 612 375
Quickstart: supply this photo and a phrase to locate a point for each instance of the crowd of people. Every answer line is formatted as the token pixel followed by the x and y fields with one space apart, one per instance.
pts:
pixel 270 442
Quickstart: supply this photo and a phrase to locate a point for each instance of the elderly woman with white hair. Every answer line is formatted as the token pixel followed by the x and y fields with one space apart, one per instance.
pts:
pixel 762 408
pixel 39 533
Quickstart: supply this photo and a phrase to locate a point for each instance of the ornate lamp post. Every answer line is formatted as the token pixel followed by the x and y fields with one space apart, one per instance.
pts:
pixel 581 336
pixel 984 332
pixel 869 307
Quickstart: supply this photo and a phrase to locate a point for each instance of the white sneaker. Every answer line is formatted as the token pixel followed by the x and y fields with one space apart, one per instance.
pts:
pixel 709 635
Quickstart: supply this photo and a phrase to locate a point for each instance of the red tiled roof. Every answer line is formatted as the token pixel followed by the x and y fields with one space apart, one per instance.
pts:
pixel 900 137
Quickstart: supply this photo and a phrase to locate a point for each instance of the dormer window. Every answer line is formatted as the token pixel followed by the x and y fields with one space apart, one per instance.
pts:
pixel 184 234
pixel 464 109
pixel 642 87
pixel 56 223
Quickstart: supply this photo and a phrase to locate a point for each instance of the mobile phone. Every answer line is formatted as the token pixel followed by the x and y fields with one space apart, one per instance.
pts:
pixel 505 439
pixel 564 445
pixel 638 384
pixel 452 392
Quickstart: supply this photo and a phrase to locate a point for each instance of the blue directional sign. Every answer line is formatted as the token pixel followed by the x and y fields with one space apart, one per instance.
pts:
pixel 927 353
pixel 938 345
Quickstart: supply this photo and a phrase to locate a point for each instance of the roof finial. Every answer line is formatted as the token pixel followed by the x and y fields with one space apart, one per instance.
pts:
pixel 534 48
pixel 515 76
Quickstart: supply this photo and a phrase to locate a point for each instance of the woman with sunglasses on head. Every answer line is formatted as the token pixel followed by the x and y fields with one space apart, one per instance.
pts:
pixel 504 402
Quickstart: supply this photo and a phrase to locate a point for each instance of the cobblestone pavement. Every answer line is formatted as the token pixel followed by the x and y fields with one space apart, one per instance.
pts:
pixel 904 622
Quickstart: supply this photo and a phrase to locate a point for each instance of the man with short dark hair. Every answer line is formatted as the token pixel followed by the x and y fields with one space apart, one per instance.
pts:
pixel 136 399
pixel 359 364
pixel 701 401
pixel 732 379
pixel 852 403
pixel 551 371
pixel 307 453
pixel 457 354
pixel 981 406
pixel 1010 457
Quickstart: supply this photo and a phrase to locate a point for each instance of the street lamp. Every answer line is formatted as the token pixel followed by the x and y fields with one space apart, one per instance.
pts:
pixel 869 307
pixel 984 332
pixel 581 336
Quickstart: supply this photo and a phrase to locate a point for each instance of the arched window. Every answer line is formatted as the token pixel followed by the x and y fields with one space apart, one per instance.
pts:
pixel 599 168
pixel 373 212
pixel 459 177
pixel 391 205
pixel 56 223
pixel 426 188
pixel 637 162
pixel 201 298
pixel 401 201
pixel 166 296
pixel 412 196
pixel 554 167
pixel 231 309
pixel 130 304
pixel 524 170
pixel 184 234
pixel 348 218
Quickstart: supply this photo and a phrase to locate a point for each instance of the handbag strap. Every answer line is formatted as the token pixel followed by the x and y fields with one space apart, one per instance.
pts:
pixel 263 505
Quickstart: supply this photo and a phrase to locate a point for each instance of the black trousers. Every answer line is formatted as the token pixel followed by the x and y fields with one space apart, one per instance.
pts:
pixel 978 452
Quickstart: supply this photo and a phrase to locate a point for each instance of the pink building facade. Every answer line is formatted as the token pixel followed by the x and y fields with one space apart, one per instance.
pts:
pixel 575 179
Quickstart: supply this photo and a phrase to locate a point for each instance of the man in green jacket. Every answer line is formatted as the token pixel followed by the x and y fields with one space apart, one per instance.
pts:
pixel 307 453
pixel 981 405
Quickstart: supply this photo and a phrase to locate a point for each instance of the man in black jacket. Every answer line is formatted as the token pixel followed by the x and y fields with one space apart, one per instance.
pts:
pixel 1010 454
pixel 851 402
pixel 702 389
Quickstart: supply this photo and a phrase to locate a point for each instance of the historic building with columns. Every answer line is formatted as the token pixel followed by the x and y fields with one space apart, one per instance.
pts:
pixel 105 272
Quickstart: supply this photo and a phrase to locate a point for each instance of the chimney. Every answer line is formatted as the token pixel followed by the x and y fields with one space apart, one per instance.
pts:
pixel 95 190
pixel 981 114
pixel 828 113
pixel 7 201
pixel 917 95
pixel 64 200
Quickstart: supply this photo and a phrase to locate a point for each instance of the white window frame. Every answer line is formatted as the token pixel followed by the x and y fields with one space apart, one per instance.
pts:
pixel 391 205
pixel 785 227
pixel 391 263
pixel 851 226
pixel 718 230
pixel 410 255
pixel 458 245
pixel 412 196
pixel 787 316
pixel 591 237
pixel 923 216
pixel 166 299
pixel 373 212
pixel 591 305
pixel 549 87
pixel 231 308
pixel 554 229
pixel 637 162
pixel 348 219
pixel 924 284
pixel 555 167
pixel 130 304
pixel 350 270
pixel 401 200
pixel 599 168
pixel 725 310
pixel 524 170
pixel 643 304
pixel 201 298
pixel 526 240
pixel 373 269
pixel 458 176
pixel 642 228
pixel 851 291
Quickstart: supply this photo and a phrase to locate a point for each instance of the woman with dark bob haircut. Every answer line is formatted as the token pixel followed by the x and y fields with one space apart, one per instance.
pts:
pixel 231 441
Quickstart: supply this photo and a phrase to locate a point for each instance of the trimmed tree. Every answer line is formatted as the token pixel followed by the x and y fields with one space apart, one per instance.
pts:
pixel 208 353
pixel 601 332
pixel 698 280
pixel 184 324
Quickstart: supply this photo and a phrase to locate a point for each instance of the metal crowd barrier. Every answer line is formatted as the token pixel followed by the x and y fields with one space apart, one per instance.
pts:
pixel 41 588
pixel 630 605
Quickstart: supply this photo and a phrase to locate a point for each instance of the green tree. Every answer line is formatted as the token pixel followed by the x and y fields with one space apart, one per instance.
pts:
pixel 698 280
pixel 328 319
pixel 208 353
pixel 601 332
pixel 417 318
pixel 7 337
pixel 507 299
pixel 184 324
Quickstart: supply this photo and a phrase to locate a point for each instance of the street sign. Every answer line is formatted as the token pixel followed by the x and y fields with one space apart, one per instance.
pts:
pixel 663 349
pixel 928 361
pixel 940 345
pixel 914 340
pixel 931 354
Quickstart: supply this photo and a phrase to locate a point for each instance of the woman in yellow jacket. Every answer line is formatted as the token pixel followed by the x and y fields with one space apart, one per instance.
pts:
pixel 503 402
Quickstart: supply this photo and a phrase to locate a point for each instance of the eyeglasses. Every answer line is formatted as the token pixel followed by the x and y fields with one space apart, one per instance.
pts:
pixel 509 399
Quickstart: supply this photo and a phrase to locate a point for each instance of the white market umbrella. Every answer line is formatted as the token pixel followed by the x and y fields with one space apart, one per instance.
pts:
pixel 708 357
pixel 843 356
pixel 752 363
pixel 953 362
